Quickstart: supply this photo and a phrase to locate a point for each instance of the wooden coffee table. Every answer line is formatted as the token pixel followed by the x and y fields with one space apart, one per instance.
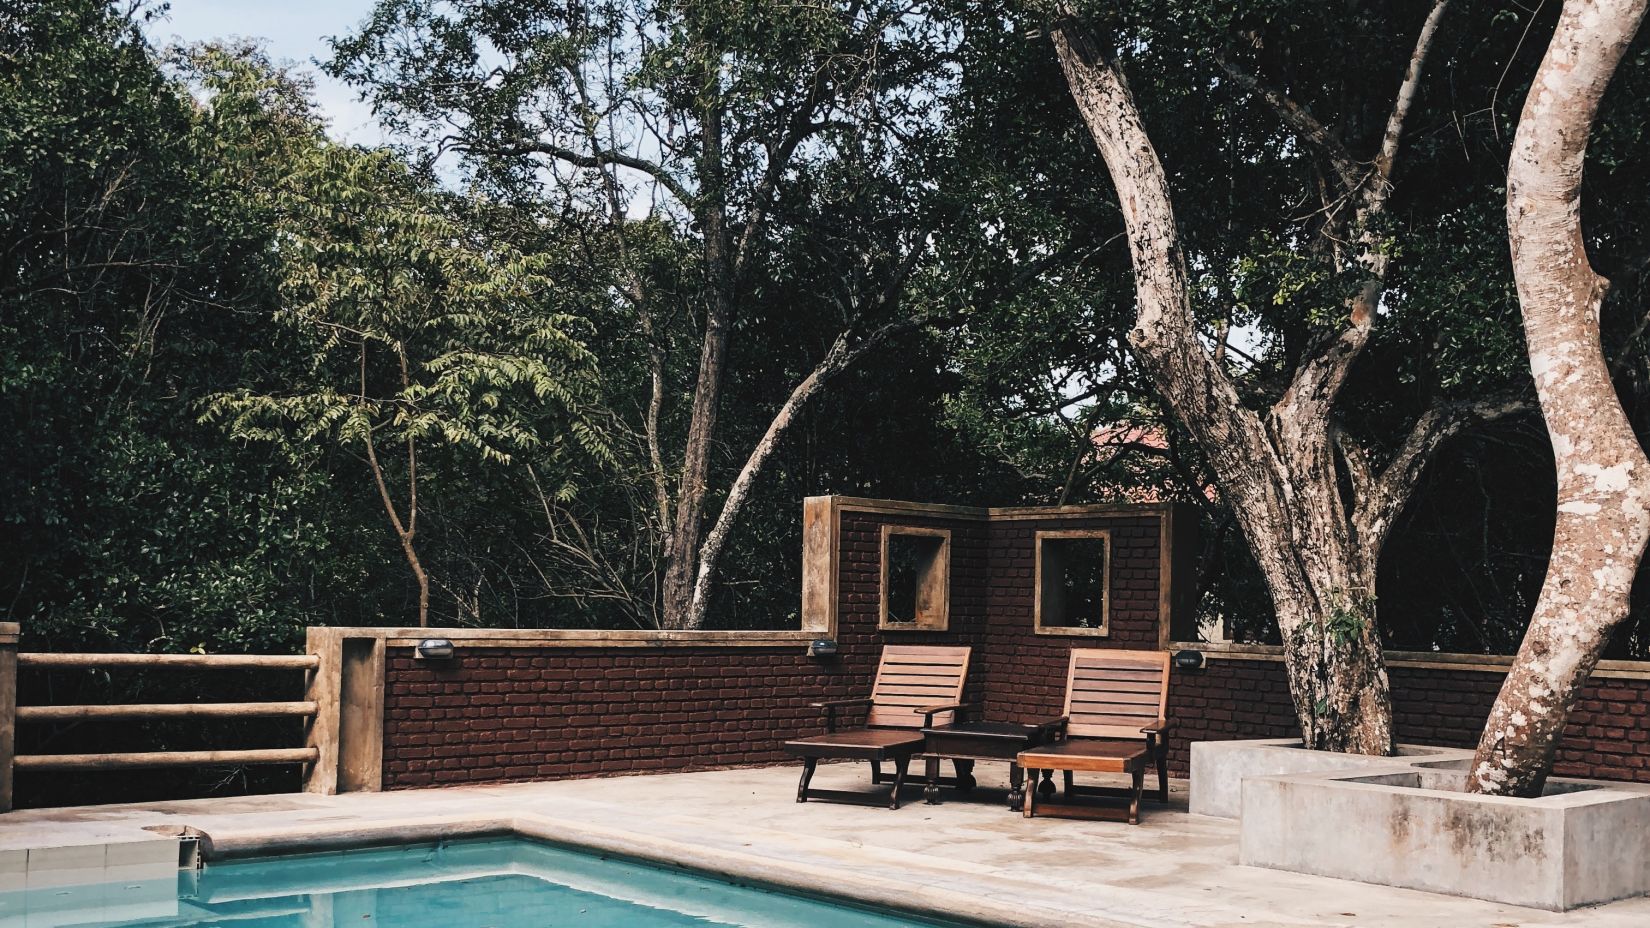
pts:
pixel 1088 757
pixel 963 743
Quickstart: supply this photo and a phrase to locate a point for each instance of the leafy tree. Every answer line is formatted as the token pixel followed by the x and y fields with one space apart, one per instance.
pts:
pixel 131 287
pixel 416 327
pixel 705 133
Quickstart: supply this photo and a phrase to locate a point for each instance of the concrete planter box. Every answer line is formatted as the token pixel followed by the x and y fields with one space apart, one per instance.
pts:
pixel 1583 843
pixel 1219 768
pixel 1406 821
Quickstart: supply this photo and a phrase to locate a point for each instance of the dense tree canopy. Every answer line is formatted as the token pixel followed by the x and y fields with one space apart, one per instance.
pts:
pixel 185 251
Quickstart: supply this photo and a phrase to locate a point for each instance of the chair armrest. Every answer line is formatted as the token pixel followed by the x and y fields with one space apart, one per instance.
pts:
pixel 840 703
pixel 1156 728
pixel 928 712
pixel 831 705
pixel 1056 727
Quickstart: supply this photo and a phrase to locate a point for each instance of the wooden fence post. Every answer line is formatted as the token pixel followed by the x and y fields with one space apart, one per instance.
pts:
pixel 9 632
pixel 325 681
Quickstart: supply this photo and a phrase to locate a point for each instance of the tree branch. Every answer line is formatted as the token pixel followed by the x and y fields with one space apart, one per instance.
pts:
pixel 1318 381
pixel 1375 195
pixel 841 356
pixel 1387 492
pixel 1165 335
pixel 592 161
pixel 1299 119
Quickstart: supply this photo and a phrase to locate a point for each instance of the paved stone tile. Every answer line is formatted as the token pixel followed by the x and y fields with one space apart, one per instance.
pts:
pixel 973 855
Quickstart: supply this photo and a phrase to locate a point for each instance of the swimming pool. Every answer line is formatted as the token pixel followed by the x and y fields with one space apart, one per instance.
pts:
pixel 466 884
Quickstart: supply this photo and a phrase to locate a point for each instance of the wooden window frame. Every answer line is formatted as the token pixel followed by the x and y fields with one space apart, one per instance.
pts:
pixel 940 620
pixel 1104 629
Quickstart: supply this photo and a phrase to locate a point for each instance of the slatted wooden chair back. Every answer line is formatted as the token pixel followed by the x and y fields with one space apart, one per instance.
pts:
pixel 1112 693
pixel 913 676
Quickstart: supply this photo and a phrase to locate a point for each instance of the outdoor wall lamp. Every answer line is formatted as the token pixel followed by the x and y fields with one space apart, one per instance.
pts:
pixel 822 647
pixel 435 649
pixel 1188 660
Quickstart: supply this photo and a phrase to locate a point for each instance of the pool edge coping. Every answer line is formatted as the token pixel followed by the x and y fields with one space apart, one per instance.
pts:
pixel 788 875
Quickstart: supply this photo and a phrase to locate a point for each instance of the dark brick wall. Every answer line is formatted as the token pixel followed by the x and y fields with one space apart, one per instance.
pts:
pixel 540 713
pixel 1024 672
pixel 498 714
pixel 526 713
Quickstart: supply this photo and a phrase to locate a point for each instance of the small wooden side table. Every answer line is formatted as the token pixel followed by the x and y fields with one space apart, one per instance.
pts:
pixel 870 744
pixel 1088 757
pixel 963 743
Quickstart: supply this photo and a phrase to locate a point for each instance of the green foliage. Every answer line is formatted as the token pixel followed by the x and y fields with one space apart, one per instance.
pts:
pixel 1350 617
pixel 183 241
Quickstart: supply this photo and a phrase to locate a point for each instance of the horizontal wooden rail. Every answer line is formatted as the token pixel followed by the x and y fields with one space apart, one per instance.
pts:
pixel 187 710
pixel 163 759
pixel 196 661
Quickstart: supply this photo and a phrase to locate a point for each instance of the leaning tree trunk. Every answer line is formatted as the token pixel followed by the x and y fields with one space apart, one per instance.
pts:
pixel 1603 473
pixel 1279 475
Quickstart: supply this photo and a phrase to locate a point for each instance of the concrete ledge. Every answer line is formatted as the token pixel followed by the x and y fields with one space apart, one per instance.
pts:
pixel 1583 843
pixel 1219 768
pixel 584 638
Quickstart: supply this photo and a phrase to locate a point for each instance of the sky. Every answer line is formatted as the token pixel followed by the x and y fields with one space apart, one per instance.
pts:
pixel 293 32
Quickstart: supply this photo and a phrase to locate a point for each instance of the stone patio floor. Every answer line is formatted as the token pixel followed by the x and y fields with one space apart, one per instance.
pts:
pixel 964 857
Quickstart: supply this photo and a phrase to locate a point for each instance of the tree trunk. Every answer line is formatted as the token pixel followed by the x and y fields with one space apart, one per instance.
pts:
pixel 406 532
pixel 1603 473
pixel 682 554
pixel 1278 474
pixel 839 358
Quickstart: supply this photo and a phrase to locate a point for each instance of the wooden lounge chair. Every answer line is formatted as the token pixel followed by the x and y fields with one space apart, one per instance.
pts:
pixel 1114 721
pixel 916 686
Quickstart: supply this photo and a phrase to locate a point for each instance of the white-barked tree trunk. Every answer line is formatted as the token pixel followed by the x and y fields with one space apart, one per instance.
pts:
pixel 1603 474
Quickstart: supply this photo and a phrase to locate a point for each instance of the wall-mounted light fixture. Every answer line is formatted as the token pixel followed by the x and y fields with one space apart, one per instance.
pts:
pixel 435 649
pixel 1188 661
pixel 822 647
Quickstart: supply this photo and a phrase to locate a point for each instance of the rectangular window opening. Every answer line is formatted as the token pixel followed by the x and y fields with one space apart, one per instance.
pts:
pixel 1073 582
pixel 916 578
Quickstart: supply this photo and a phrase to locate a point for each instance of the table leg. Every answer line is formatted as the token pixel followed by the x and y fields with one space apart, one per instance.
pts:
pixel 1016 787
pixel 1030 800
pixel 808 765
pixel 1162 759
pixel 931 772
pixel 1134 800
pixel 900 765
pixel 1045 789
pixel 876 773
pixel 1070 792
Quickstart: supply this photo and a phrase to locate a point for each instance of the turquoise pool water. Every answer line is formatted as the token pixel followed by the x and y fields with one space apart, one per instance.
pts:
pixel 469 884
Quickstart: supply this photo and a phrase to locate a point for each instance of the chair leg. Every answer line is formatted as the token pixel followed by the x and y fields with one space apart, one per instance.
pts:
pixel 1069 793
pixel 1029 803
pixel 965 774
pixel 808 765
pixel 1016 787
pixel 1134 800
pixel 931 772
pixel 900 765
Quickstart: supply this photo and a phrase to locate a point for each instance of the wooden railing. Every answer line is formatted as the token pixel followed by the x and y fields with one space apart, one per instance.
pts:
pixel 12 715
